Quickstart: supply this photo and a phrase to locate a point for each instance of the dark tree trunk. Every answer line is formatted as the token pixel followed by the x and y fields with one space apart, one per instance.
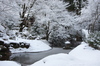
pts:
pixel 21 27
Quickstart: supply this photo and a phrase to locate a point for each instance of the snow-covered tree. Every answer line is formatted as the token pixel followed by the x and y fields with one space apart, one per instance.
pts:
pixel 25 13
pixel 89 13
pixel 8 11
pixel 51 13
pixel 8 14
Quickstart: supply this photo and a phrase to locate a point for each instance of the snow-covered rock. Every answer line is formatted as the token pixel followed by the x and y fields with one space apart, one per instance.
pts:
pixel 67 42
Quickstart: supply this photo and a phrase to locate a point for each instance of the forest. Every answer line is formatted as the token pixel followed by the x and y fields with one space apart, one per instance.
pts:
pixel 40 25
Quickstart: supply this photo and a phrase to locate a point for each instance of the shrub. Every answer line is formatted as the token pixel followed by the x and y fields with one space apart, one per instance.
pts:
pixel 94 40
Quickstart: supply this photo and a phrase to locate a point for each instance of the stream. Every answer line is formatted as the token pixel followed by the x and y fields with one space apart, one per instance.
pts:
pixel 30 58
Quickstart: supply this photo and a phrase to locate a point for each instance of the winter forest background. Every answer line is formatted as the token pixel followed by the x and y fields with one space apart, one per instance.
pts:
pixel 53 20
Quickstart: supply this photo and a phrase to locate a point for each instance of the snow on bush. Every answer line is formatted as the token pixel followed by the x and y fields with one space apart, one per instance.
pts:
pixel 94 40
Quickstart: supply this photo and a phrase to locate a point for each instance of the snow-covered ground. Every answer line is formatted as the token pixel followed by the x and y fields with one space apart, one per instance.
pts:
pixel 9 63
pixel 35 46
pixel 83 55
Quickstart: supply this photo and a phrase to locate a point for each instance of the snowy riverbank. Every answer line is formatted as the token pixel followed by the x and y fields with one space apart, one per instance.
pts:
pixel 35 46
pixel 83 55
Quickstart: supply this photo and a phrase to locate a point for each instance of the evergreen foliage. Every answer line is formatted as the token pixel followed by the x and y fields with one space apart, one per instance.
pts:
pixel 75 5
pixel 94 40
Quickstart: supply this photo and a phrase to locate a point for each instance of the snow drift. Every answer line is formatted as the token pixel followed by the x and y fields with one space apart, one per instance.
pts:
pixel 83 55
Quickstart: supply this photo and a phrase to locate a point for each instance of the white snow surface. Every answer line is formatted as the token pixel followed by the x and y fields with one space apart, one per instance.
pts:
pixel 67 42
pixel 35 46
pixel 9 63
pixel 86 53
pixel 83 55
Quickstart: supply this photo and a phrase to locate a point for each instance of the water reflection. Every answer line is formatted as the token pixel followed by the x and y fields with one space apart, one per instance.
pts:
pixel 26 58
pixel 30 58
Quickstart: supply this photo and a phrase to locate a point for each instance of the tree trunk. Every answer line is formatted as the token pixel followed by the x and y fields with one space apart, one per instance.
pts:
pixel 21 27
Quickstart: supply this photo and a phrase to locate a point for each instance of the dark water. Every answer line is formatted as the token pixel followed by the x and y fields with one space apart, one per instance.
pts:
pixel 30 58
